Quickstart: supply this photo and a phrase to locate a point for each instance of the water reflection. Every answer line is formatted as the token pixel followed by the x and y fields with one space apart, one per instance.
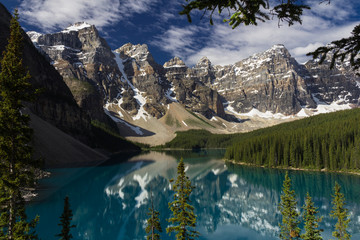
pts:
pixel 111 202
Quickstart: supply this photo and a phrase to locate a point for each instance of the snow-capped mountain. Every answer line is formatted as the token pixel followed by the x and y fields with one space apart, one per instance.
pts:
pixel 135 91
pixel 273 81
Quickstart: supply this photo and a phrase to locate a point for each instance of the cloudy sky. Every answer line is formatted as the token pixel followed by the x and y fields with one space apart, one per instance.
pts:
pixel 167 34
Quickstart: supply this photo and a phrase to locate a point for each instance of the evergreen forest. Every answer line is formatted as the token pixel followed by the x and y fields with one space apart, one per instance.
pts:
pixel 328 141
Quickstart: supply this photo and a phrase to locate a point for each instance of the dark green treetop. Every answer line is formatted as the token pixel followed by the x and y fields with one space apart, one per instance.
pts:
pixel 65 221
pixel 153 223
pixel 183 218
pixel 345 48
pixel 340 213
pixel 16 162
pixel 289 227
pixel 311 226
pixel 248 12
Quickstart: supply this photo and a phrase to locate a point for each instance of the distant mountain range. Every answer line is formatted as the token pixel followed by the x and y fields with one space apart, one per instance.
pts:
pixel 130 87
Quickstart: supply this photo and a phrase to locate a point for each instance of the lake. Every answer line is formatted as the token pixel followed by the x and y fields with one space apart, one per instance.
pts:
pixel 111 201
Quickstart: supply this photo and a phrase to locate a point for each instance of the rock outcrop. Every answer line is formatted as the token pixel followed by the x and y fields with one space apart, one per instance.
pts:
pixel 130 85
pixel 144 74
pixel 129 77
pixel 267 81
pixel 274 81
pixel 189 90
pixel 339 84
pixel 86 64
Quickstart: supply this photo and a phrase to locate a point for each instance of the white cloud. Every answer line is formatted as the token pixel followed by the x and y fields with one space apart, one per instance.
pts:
pixel 336 10
pixel 178 41
pixel 226 46
pixel 50 15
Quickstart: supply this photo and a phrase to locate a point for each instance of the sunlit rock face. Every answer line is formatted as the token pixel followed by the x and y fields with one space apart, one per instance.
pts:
pixel 145 75
pixel 128 78
pixel 273 81
pixel 339 84
pixel 86 63
pixel 191 91
pixel 129 81
pixel 267 81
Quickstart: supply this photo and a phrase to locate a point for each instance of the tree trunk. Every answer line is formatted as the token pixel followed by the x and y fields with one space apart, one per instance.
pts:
pixel 12 214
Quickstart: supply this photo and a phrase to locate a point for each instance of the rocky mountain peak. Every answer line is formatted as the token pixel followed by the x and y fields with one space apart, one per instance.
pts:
pixel 277 53
pixel 34 36
pixel 204 62
pixel 129 84
pixel 278 49
pixel 139 52
pixel 174 62
pixel 86 63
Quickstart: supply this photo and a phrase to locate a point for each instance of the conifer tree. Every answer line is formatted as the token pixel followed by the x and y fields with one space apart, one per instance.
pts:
pixel 65 220
pixel 312 231
pixel 153 223
pixel 289 227
pixel 16 162
pixel 340 213
pixel 183 219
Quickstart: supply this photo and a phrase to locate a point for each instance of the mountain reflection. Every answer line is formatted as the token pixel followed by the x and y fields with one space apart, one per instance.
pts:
pixel 239 202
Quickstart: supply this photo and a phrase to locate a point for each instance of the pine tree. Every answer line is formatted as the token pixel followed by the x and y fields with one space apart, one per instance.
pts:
pixel 340 213
pixel 312 231
pixel 183 213
pixel 65 220
pixel 289 228
pixel 153 223
pixel 16 162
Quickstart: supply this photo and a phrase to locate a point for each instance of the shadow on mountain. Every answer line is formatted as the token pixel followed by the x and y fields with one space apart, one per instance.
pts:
pixel 130 130
pixel 232 118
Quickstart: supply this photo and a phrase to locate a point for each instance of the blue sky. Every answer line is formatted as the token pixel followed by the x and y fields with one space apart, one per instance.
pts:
pixel 167 34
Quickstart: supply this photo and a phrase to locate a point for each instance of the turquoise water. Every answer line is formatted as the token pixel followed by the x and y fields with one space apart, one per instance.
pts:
pixel 231 201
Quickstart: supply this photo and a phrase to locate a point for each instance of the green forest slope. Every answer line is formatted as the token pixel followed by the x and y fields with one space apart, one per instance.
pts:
pixel 330 141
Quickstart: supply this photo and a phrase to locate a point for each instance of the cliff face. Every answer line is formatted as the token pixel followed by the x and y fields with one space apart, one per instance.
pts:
pixel 55 104
pixel 189 90
pixel 145 75
pixel 129 85
pixel 86 64
pixel 128 79
pixel 267 81
pixel 273 81
pixel 339 84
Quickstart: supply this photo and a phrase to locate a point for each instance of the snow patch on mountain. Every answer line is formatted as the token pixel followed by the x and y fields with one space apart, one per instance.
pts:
pixel 170 93
pixel 256 113
pixel 34 36
pixel 76 27
pixel 118 120
pixel 326 108
pixel 137 94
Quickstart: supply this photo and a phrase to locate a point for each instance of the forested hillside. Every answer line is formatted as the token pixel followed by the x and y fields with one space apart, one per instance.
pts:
pixel 329 141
